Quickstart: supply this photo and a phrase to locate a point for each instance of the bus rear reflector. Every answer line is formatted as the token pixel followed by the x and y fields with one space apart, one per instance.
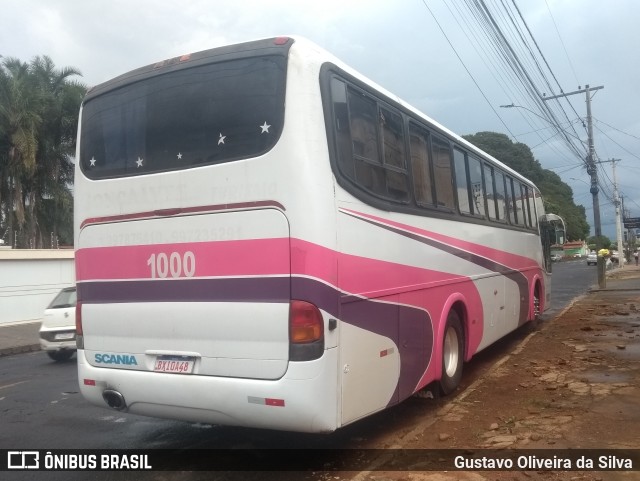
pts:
pixel 306 331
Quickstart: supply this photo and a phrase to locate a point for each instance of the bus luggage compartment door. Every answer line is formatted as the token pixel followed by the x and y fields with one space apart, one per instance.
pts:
pixel 212 289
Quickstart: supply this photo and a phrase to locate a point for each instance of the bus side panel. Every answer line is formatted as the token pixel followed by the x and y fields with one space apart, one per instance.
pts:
pixel 385 350
pixel 370 367
pixel 406 266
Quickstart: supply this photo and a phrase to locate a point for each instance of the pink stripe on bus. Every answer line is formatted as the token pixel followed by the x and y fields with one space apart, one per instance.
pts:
pixel 212 259
pixel 361 275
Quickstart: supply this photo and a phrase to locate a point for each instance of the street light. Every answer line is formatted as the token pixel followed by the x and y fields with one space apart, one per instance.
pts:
pixel 512 106
pixel 580 180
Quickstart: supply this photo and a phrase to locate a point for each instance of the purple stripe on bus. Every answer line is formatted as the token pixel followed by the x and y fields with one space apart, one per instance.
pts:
pixel 264 289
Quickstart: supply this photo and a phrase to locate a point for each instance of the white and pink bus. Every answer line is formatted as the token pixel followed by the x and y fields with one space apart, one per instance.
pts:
pixel 266 238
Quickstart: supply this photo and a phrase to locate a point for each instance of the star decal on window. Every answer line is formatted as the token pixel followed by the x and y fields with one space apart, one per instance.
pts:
pixel 179 155
pixel 139 162
pixel 265 128
pixel 92 161
pixel 221 139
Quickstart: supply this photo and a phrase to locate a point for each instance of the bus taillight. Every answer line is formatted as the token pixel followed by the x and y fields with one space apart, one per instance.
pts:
pixel 306 331
pixel 79 334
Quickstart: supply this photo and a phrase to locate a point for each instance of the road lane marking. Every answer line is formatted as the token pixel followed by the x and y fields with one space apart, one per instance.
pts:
pixel 14 384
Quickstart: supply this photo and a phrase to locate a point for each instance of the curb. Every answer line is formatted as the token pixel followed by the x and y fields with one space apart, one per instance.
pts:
pixel 9 351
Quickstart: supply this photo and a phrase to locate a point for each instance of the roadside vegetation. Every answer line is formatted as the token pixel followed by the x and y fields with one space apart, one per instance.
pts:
pixel 39 106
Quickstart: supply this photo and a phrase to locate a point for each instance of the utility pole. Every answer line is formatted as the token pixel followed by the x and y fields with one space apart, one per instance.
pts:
pixel 593 173
pixel 591 160
pixel 616 201
pixel 617 204
pixel 631 231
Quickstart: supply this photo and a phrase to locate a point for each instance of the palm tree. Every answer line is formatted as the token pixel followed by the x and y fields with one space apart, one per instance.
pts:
pixel 38 121
pixel 56 145
pixel 19 123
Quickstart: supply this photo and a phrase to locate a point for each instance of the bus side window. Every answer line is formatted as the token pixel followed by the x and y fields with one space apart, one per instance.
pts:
pixel 391 123
pixel 477 187
pixel 462 185
pixel 531 199
pixel 420 165
pixel 511 202
pixel 525 205
pixel 342 129
pixel 520 205
pixel 364 137
pixel 501 196
pixel 442 172
pixel 363 127
pixel 491 192
pixel 394 155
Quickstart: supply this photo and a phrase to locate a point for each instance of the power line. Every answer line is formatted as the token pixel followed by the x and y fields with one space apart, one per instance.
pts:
pixel 465 67
pixel 510 57
pixel 544 59
pixel 562 42
pixel 493 45
pixel 616 129
pixel 623 148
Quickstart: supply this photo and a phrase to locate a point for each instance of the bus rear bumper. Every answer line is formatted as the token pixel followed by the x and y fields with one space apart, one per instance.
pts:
pixel 304 399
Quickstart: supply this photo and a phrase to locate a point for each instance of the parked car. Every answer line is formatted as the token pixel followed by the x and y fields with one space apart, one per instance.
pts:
pixel 592 258
pixel 58 330
pixel 556 257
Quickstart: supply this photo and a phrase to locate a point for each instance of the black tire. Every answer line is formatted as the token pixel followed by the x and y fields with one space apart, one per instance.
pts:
pixel 61 355
pixel 452 354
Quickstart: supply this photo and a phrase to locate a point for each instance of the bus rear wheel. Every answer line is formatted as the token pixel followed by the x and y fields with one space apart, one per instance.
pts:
pixel 536 304
pixel 452 354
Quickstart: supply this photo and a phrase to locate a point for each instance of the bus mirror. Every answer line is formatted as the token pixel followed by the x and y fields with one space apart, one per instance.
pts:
pixel 550 218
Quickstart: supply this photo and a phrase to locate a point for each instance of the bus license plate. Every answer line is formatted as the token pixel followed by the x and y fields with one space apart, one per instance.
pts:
pixel 174 364
pixel 64 336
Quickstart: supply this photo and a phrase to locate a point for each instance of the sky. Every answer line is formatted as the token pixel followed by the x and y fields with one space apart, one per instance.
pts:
pixel 430 53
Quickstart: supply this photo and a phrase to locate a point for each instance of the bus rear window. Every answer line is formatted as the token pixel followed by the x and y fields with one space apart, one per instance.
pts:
pixel 196 116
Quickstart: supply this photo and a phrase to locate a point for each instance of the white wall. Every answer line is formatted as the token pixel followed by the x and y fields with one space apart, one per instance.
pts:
pixel 30 279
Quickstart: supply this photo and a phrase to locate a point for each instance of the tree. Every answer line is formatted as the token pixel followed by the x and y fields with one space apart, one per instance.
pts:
pixel 557 195
pixel 605 242
pixel 39 107
pixel 19 123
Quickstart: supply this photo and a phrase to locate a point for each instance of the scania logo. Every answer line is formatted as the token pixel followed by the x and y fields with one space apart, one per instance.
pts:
pixel 126 359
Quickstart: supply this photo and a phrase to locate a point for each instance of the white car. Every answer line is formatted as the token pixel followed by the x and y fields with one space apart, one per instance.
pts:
pixel 592 258
pixel 58 330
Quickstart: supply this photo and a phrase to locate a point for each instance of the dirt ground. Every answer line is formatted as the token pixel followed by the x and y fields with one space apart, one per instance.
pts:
pixel 572 383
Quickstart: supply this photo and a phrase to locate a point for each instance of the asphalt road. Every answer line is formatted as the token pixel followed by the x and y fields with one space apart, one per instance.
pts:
pixel 40 407
pixel 570 279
